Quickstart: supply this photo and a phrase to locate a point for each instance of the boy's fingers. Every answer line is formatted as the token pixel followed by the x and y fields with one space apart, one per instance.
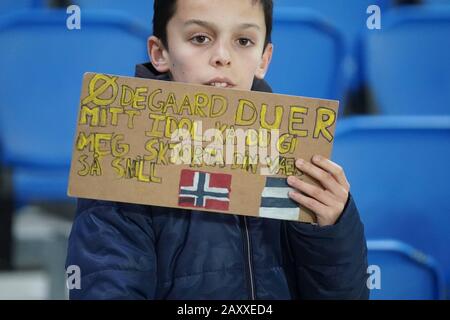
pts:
pixel 336 170
pixel 310 203
pixel 324 177
pixel 315 192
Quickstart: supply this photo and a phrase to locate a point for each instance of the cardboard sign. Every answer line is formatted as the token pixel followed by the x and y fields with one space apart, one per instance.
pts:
pixel 210 149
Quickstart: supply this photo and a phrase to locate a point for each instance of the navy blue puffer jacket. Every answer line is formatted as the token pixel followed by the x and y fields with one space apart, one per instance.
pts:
pixel 128 251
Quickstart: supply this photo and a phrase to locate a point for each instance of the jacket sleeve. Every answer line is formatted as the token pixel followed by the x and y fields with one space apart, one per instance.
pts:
pixel 329 262
pixel 113 246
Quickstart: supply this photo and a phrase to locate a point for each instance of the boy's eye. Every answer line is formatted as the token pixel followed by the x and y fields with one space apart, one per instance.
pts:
pixel 244 42
pixel 200 39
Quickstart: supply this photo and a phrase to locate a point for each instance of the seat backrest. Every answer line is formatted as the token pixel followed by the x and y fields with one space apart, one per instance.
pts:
pixel 142 10
pixel 398 271
pixel 406 63
pixel 42 65
pixel 349 16
pixel 398 171
pixel 437 2
pixel 308 55
pixel 7 6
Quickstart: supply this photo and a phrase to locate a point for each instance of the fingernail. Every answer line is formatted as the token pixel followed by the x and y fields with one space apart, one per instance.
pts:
pixel 300 162
pixel 317 158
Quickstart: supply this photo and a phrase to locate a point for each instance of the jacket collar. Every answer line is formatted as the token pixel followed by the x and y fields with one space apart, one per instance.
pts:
pixel 146 70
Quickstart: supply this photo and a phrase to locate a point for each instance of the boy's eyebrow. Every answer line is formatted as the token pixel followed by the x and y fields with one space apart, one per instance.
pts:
pixel 210 25
pixel 249 25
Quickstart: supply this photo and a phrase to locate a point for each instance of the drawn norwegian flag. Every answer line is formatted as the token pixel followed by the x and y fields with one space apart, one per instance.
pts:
pixel 204 190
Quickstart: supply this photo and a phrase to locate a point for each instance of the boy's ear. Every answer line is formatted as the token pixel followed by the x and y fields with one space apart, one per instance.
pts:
pixel 158 54
pixel 265 61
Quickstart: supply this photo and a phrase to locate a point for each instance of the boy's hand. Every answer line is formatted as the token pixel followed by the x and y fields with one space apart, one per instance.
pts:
pixel 328 201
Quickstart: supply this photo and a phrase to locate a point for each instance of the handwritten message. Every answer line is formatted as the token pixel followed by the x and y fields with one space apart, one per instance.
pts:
pixel 195 147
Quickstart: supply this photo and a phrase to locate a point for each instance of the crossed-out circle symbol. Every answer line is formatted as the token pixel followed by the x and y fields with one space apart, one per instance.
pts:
pixel 94 93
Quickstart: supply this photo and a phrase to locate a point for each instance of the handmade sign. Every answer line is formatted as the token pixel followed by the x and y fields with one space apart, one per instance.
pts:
pixel 192 146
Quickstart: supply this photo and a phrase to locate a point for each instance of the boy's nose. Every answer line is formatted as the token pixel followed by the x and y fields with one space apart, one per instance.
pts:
pixel 221 56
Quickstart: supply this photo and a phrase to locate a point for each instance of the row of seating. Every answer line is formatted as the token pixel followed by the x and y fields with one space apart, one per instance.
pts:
pixel 349 16
pixel 42 65
pixel 404 75
pixel 404 66
pixel 113 44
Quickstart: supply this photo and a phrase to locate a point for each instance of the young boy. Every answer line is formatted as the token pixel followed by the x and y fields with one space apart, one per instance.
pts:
pixel 128 251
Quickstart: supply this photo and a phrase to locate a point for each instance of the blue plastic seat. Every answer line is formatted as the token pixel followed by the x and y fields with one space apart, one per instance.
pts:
pixel 7 6
pixel 406 63
pixel 141 10
pixel 437 2
pixel 308 55
pixel 349 16
pixel 398 171
pixel 42 64
pixel 404 272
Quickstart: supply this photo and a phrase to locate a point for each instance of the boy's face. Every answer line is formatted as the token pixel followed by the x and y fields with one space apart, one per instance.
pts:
pixel 214 42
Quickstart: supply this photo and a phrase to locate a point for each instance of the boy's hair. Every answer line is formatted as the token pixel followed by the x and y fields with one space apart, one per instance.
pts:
pixel 163 11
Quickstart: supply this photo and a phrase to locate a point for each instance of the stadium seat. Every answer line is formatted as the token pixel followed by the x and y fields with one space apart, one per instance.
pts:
pixel 437 2
pixel 406 63
pixel 349 16
pixel 308 55
pixel 7 6
pixel 398 171
pixel 142 10
pixel 403 272
pixel 42 65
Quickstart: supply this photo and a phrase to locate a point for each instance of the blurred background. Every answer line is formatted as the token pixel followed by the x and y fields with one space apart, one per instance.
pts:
pixel 388 66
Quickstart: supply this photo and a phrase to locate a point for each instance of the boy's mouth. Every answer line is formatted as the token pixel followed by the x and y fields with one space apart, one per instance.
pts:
pixel 220 83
